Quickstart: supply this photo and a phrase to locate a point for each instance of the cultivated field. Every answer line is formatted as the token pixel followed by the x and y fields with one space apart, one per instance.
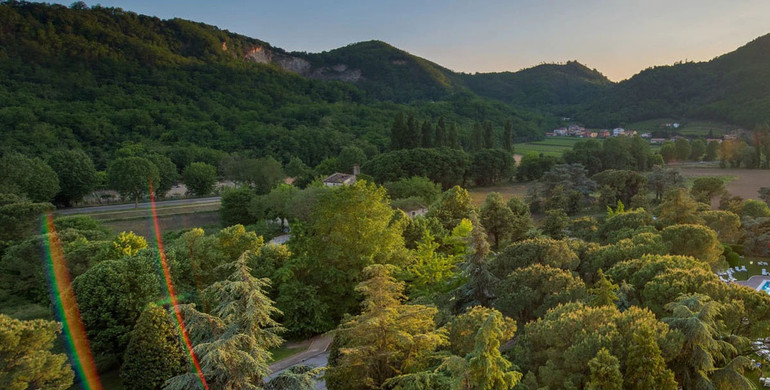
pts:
pixel 745 183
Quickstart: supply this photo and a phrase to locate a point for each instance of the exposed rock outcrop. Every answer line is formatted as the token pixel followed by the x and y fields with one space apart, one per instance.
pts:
pixel 262 55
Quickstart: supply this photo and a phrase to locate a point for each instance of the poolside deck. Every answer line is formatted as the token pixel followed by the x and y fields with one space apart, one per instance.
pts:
pixel 754 282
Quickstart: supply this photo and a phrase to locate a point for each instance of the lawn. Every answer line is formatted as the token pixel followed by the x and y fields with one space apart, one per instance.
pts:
pixel 284 352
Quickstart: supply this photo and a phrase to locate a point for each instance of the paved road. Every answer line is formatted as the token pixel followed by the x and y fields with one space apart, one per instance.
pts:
pixel 143 205
pixel 316 355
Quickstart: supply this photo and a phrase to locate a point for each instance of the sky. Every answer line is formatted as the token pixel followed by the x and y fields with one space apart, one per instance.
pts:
pixel 617 37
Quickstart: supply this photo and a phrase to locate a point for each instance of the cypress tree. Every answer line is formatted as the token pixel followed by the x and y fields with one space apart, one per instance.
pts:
pixel 427 129
pixel 398 132
pixel 411 135
pixel 154 352
pixel 477 137
pixel 489 140
pixel 440 138
pixel 452 140
pixel 508 137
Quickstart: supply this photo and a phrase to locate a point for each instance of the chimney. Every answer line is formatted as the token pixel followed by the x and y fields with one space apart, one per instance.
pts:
pixel 356 170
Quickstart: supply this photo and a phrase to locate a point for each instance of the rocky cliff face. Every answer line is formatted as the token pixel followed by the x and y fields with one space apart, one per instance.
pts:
pixel 339 72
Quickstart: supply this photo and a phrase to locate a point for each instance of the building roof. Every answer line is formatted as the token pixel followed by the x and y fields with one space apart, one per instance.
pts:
pixel 337 177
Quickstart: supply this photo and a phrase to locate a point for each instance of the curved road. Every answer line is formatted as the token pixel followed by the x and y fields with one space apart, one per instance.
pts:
pixel 142 205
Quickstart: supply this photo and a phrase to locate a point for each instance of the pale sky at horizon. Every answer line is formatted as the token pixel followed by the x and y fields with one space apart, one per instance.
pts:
pixel 619 38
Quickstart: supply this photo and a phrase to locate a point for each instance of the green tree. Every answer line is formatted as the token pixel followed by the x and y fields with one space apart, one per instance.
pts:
pixel 235 207
pixel 440 137
pixel 487 369
pixel 679 207
pixel 462 330
pixel 132 177
pixel 388 338
pixel 262 174
pixel 233 339
pixel 660 180
pixel 426 134
pixel 706 188
pixel 19 217
pixel 453 206
pixel 76 173
pixel 508 137
pixel 199 178
pixel 705 344
pixel 556 223
pixel 349 157
pixel 604 292
pixel 697 149
pixel 167 172
pixel 491 166
pixel 645 367
pixel 351 228
pixel 522 218
pixel 475 269
pixel 527 293
pixel 26 361
pixel 418 186
pixel 727 225
pixel 693 240
pixel 682 149
pixel 297 377
pixel 605 372
pixel 111 296
pixel 498 220
pixel 545 251
pixel 712 151
pixel 154 352
pixel 27 177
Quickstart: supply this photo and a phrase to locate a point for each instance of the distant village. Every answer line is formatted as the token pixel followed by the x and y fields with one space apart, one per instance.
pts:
pixel 581 132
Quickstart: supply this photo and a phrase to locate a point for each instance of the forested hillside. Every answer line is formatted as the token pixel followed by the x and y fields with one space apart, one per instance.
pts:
pixel 96 78
pixel 732 88
pixel 549 87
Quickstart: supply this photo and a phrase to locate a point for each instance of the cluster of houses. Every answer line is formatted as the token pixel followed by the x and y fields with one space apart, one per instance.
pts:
pixel 581 132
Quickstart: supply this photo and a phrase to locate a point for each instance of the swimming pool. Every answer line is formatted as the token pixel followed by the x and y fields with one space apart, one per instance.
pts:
pixel 765 286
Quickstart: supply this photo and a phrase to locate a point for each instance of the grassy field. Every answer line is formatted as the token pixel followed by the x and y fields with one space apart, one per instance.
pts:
pixel 551 146
pixel 478 194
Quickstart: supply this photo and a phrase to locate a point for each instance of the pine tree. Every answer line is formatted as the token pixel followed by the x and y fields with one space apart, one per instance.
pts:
pixel 604 292
pixel 480 280
pixel 508 137
pixel 26 361
pixel 605 372
pixel 154 353
pixel 388 337
pixel 645 367
pixel 440 140
pixel 427 130
pixel 232 341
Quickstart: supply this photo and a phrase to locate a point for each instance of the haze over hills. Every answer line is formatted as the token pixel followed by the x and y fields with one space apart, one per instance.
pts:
pixel 97 77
